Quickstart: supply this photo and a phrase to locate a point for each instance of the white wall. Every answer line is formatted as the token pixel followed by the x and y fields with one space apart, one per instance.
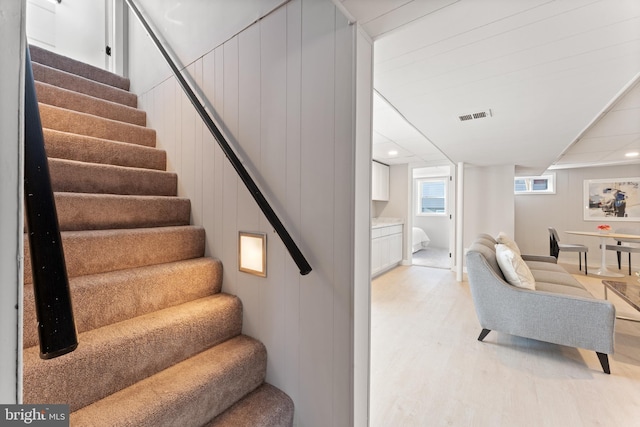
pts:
pixel 362 223
pixel 488 201
pixel 74 28
pixel 436 227
pixel 12 48
pixel 396 207
pixel 192 28
pixel 285 89
pixel 536 212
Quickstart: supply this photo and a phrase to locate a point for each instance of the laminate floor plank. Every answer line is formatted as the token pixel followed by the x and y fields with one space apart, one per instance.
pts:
pixel 429 369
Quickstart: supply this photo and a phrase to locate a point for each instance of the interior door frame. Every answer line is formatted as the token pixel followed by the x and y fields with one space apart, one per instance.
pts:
pixel 116 27
pixel 451 208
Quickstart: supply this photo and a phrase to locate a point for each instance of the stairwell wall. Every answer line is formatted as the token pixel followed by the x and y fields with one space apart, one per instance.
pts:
pixel 285 89
pixel 12 50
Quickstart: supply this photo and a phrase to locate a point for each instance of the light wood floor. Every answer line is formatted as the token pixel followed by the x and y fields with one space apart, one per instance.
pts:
pixel 428 369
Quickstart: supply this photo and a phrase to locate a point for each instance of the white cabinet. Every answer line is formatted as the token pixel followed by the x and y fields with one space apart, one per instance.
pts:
pixel 386 248
pixel 379 181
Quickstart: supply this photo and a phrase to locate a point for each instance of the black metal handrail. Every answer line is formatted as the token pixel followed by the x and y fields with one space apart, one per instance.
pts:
pixel 262 202
pixel 56 324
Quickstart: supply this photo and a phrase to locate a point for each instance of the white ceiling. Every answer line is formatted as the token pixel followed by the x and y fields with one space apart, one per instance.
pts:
pixel 549 71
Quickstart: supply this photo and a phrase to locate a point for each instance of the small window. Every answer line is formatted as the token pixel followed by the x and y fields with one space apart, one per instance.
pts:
pixel 544 184
pixel 431 196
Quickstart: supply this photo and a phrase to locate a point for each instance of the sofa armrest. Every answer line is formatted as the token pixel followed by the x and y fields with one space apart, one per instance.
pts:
pixel 561 319
pixel 542 258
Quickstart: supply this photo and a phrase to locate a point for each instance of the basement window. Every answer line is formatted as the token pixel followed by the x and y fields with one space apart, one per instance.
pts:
pixel 431 196
pixel 543 184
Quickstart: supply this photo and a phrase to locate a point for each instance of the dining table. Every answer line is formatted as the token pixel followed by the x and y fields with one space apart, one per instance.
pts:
pixel 604 235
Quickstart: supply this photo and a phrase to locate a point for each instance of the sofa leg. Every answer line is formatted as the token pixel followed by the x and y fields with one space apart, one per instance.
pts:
pixel 604 361
pixel 484 333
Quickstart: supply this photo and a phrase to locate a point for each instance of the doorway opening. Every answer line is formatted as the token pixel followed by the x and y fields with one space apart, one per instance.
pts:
pixel 431 216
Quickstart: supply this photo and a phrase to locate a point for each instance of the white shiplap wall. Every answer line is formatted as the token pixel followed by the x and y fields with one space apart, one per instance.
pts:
pixel 12 48
pixel 285 89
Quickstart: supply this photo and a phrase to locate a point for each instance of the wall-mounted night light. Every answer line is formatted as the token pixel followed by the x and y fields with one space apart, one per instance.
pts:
pixel 252 253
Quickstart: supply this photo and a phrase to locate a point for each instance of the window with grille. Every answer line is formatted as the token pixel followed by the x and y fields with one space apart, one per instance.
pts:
pixel 544 184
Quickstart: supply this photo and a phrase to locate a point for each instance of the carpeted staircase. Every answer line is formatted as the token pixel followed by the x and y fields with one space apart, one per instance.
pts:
pixel 159 343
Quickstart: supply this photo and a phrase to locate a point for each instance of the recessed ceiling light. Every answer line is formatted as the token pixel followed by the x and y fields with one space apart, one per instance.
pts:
pixel 393 153
pixel 632 154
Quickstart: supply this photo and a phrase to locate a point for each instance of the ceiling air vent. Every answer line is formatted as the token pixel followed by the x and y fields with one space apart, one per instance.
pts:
pixel 475 116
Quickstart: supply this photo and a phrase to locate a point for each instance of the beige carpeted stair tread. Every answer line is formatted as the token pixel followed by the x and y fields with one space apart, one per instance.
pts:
pixel 188 394
pixel 100 251
pixel 119 355
pixel 106 298
pixel 267 406
pixel 64 145
pixel 79 177
pixel 86 211
pixel 73 66
pixel 79 84
pixel 64 98
pixel 86 124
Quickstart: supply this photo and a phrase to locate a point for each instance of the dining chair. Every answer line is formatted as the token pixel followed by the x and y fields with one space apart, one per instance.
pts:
pixel 620 247
pixel 555 247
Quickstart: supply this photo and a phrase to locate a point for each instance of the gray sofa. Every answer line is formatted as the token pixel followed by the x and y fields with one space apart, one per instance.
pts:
pixel 560 310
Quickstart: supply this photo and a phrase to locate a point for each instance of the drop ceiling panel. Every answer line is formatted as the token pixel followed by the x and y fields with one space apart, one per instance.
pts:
pixel 605 143
pixel 617 157
pixel 630 100
pixel 392 132
pixel 582 158
pixel 620 122
pixel 380 139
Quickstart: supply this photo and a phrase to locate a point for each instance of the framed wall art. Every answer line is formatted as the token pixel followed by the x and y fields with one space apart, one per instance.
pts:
pixel 613 199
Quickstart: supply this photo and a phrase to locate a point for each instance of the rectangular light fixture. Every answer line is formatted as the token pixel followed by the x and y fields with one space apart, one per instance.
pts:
pixel 252 253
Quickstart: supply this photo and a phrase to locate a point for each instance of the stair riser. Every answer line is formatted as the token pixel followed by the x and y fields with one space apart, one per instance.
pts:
pixel 82 148
pixel 100 212
pixel 85 124
pixel 264 407
pixel 73 66
pixel 110 359
pixel 91 252
pixel 63 98
pixel 79 84
pixel 77 177
pixel 188 394
pixel 138 292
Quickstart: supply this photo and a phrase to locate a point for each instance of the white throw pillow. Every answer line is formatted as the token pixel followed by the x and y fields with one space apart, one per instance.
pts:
pixel 509 242
pixel 515 270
